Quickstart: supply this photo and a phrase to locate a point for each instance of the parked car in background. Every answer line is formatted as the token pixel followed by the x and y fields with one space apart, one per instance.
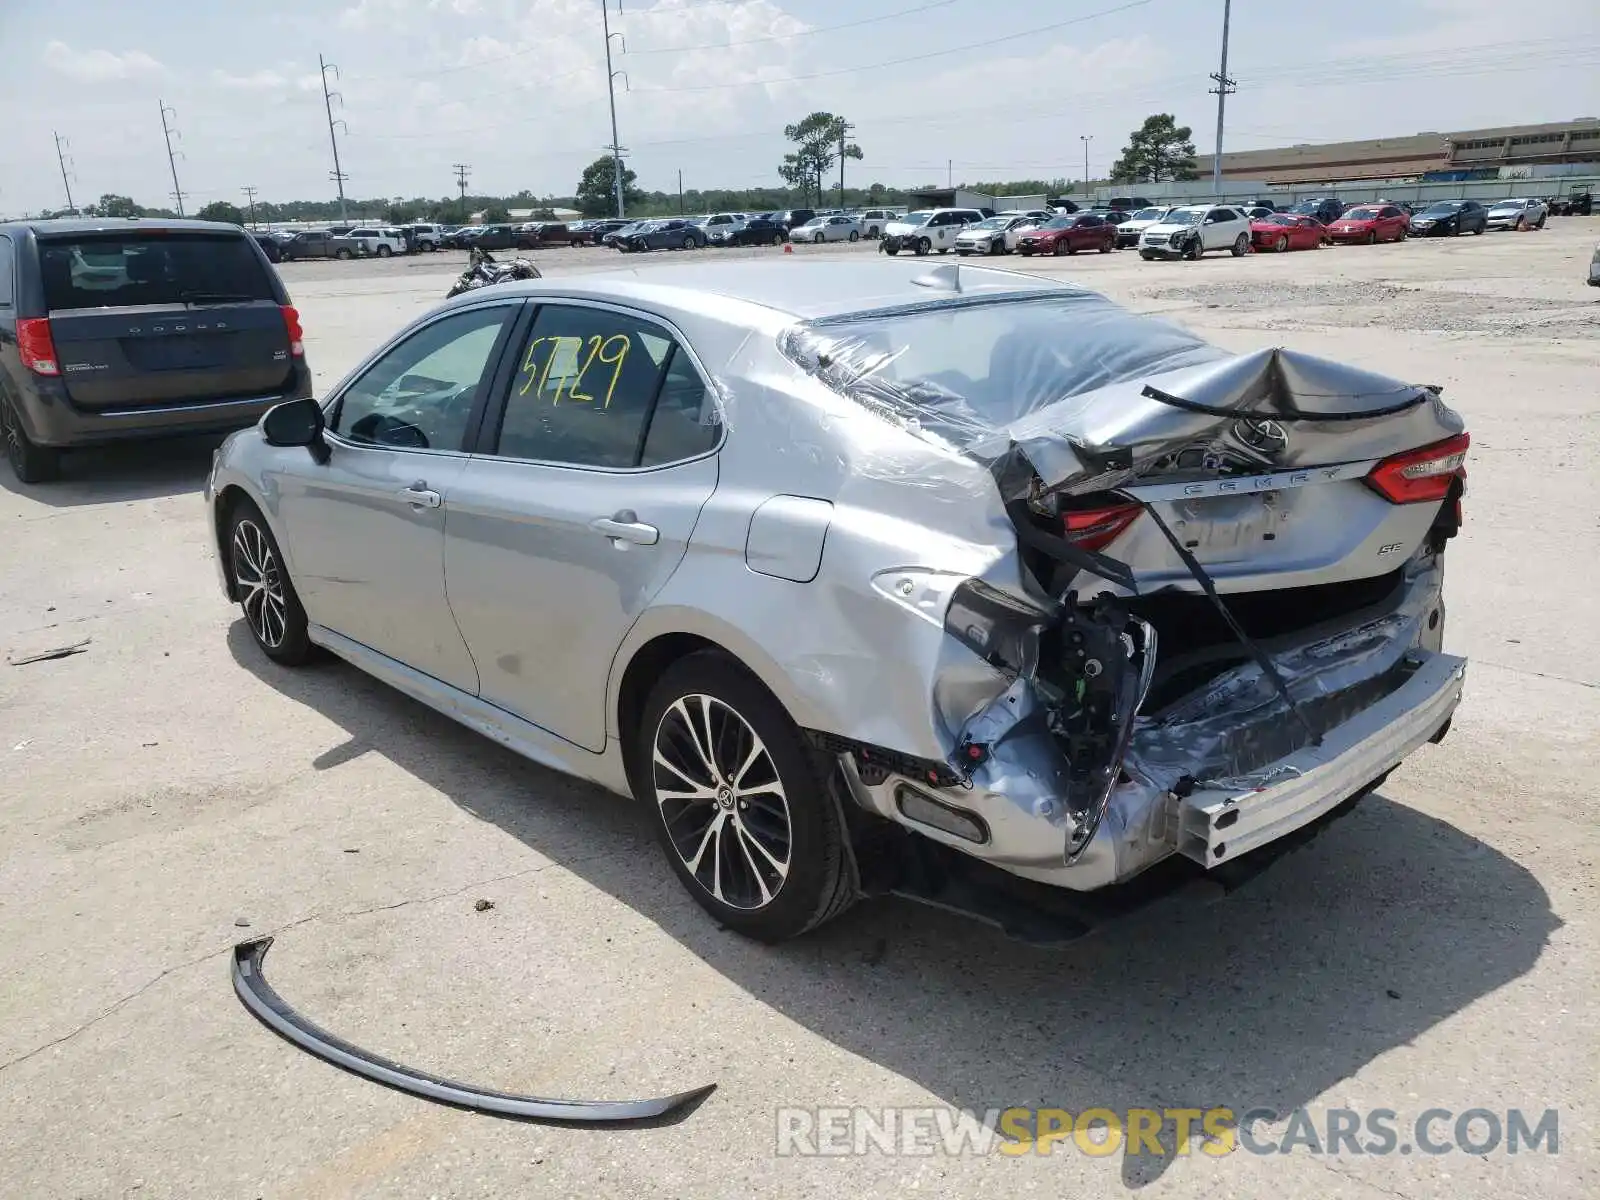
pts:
pixel 1449 218
pixel 1578 202
pixel 791 217
pixel 495 237
pixel 1370 223
pixel 1517 214
pixel 1257 211
pixel 1128 204
pixel 1128 230
pixel 549 233
pixel 994 235
pixel 459 238
pixel 1287 231
pixel 753 231
pixel 874 219
pixel 425 236
pixel 928 229
pixel 271 245
pixel 673 234
pixel 1069 233
pixel 1190 231
pixel 838 228
pixel 614 237
pixel 785 656
pixel 717 221
pixel 1326 209
pixel 317 243
pixel 115 330
pixel 379 243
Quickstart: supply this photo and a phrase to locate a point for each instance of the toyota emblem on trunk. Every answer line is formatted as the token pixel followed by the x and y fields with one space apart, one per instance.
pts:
pixel 1265 437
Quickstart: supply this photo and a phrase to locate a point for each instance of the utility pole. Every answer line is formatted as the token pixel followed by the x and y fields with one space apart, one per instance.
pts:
pixel 950 172
pixel 1225 88
pixel 61 158
pixel 461 170
pixel 611 94
pixel 250 196
pixel 337 176
pixel 167 131
pixel 680 191
pixel 845 128
pixel 1086 138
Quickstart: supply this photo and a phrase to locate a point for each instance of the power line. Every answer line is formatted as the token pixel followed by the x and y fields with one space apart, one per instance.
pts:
pixel 172 157
pixel 461 170
pixel 61 158
pixel 611 95
pixel 784 37
pixel 338 176
pixel 250 197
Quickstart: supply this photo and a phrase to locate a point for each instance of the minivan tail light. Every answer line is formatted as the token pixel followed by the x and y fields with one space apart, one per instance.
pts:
pixel 1097 528
pixel 1421 475
pixel 37 346
pixel 291 323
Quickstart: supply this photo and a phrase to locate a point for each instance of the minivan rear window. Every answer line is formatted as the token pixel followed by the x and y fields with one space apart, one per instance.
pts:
pixel 150 267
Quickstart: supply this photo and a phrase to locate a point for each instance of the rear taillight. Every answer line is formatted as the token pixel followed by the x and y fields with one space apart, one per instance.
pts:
pixel 291 323
pixel 37 346
pixel 1420 475
pixel 1097 528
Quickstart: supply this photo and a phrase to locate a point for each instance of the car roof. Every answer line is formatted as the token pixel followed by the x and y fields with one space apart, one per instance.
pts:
pixel 805 290
pixel 71 225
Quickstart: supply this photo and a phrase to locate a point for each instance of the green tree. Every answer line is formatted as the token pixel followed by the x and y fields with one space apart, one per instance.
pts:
pixel 597 189
pixel 1159 150
pixel 819 143
pixel 496 214
pixel 111 205
pixel 221 210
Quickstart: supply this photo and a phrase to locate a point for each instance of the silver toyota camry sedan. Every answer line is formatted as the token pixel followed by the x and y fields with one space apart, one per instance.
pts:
pixel 802 553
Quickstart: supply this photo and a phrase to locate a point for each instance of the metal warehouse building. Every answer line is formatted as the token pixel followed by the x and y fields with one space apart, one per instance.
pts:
pixel 1510 152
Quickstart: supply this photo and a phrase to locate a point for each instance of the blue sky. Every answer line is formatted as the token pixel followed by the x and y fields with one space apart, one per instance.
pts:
pixel 516 88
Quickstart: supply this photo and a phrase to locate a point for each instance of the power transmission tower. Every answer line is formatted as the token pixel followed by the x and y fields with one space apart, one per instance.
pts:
pixel 61 158
pixel 337 175
pixel 1225 88
pixel 168 132
pixel 616 147
pixel 845 130
pixel 461 170
pixel 250 195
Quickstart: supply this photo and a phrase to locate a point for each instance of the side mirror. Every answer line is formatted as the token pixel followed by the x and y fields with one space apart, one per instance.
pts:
pixel 297 423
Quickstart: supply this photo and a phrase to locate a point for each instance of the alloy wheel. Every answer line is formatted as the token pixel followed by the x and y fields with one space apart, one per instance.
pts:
pixel 722 801
pixel 11 435
pixel 260 584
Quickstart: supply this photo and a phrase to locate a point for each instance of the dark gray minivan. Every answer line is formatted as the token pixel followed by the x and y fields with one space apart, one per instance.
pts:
pixel 116 329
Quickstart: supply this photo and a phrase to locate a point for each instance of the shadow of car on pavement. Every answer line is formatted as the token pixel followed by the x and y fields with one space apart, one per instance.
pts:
pixel 1388 924
pixel 144 470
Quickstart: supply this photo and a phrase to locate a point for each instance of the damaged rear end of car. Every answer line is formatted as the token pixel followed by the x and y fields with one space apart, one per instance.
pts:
pixel 1223 614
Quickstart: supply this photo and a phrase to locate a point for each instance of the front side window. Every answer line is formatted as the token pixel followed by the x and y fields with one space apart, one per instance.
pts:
pixel 420 395
pixel 586 388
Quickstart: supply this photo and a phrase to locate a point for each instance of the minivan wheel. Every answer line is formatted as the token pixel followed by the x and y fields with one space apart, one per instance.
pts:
pixel 260 580
pixel 740 801
pixel 30 463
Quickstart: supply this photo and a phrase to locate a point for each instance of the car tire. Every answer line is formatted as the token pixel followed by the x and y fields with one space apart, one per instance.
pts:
pixel 30 462
pixel 258 576
pixel 1106 247
pixel 817 239
pixel 1193 248
pixel 1059 248
pixel 1147 256
pixel 767 859
pixel 998 246
pixel 1241 245
pixel 341 254
pixel 923 245
pixel 1480 229
pixel 1281 246
pixel 777 239
pixel 383 252
pixel 854 236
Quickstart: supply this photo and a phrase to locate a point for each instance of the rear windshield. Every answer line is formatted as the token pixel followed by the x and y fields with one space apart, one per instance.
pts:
pixel 120 270
pixel 962 369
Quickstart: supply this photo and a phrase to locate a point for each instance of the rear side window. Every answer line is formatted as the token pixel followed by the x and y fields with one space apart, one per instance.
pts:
pixel 150 267
pixel 7 259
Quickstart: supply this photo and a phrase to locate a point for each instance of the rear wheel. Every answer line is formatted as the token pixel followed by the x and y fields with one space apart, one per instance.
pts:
pixel 854 236
pixel 1107 247
pixel 341 254
pixel 260 580
pixel 30 462
pixel 741 802
pixel 1061 247
pixel 1372 237
pixel 818 239
pixel 1282 243
pixel 383 252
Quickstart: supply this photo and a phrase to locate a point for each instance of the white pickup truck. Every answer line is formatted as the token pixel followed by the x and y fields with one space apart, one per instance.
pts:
pixel 380 243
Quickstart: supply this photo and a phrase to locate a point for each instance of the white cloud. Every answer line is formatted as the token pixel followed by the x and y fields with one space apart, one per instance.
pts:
pixel 100 66
pixel 256 81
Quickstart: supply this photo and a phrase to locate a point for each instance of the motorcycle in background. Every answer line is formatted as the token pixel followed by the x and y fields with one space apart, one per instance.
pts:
pixel 483 270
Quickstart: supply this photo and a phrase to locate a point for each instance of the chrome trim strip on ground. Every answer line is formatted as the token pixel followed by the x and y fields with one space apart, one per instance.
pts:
pixel 273 1012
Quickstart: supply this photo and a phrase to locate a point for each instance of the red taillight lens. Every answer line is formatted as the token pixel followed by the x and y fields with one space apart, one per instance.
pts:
pixel 291 322
pixel 37 346
pixel 1420 475
pixel 1097 528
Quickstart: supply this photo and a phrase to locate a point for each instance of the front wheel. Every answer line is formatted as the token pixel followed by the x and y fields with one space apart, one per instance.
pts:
pixel 341 254
pixel 923 245
pixel 384 252
pixel 1480 229
pixel 1106 247
pixel 1241 245
pixel 261 585
pixel 854 236
pixel 30 462
pixel 1147 256
pixel 1191 249
pixel 741 802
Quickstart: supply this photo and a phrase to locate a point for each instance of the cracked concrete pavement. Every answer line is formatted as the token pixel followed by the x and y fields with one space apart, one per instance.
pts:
pixel 167 793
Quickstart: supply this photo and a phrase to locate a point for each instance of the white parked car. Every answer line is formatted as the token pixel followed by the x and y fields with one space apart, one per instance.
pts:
pixel 1189 231
pixel 427 236
pixel 874 220
pixel 1520 213
pixel 837 228
pixel 1128 231
pixel 928 229
pixel 380 243
pixel 994 235
pixel 1594 267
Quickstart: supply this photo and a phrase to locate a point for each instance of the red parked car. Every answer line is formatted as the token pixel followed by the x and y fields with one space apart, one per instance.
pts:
pixel 1371 223
pixel 1287 231
pixel 1069 233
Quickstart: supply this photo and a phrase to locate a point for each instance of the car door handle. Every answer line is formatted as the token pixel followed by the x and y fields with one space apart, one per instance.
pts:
pixel 624 527
pixel 420 495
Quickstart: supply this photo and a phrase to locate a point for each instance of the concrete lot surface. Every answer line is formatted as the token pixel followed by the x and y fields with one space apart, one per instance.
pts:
pixel 168 792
